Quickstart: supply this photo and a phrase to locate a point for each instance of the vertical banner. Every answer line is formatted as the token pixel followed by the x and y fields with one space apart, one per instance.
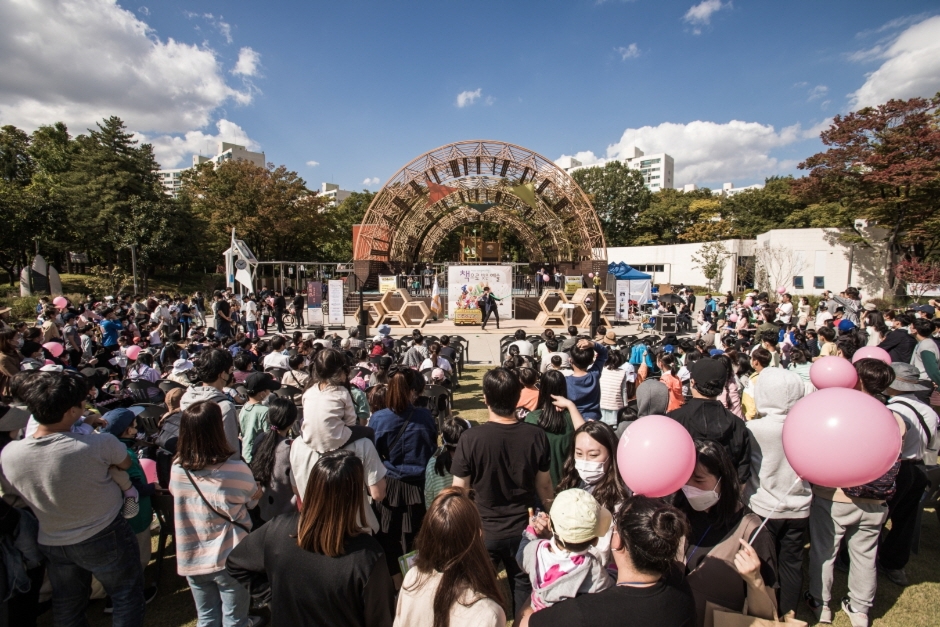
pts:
pixel 623 299
pixel 314 304
pixel 465 286
pixel 387 284
pixel 635 291
pixel 335 313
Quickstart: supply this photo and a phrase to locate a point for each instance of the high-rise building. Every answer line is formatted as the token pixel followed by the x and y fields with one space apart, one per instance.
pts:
pixel 172 178
pixel 333 193
pixel 658 169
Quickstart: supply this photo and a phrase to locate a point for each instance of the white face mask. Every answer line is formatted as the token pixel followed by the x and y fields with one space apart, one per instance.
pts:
pixel 590 472
pixel 699 499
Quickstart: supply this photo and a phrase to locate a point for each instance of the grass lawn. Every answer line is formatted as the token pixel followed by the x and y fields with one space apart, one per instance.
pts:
pixel 914 606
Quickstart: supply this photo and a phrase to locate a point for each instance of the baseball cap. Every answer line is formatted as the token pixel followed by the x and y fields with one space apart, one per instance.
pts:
pixel 927 309
pixel 577 517
pixel 261 381
pixel 118 420
pixel 708 371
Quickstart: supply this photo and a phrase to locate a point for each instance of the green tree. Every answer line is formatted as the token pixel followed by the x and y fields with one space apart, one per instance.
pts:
pixel 668 217
pixel 883 164
pixel 711 259
pixel 757 211
pixel 619 195
pixel 341 219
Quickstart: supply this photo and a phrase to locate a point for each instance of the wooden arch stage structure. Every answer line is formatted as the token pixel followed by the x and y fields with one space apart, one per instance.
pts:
pixel 479 181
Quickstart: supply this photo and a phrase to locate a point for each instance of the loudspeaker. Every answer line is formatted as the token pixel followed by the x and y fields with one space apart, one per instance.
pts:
pixel 666 323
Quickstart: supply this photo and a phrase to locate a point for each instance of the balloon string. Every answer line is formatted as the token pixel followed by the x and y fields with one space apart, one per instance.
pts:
pixel 779 503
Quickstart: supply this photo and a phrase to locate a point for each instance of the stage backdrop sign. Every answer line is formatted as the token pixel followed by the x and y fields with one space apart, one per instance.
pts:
pixel 336 315
pixel 465 285
pixel 387 284
pixel 636 289
pixel 314 303
pixel 573 284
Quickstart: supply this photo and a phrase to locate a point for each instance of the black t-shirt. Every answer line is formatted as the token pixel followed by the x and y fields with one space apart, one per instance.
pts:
pixel 448 352
pixel 669 603
pixel 501 462
pixel 299 301
pixel 223 307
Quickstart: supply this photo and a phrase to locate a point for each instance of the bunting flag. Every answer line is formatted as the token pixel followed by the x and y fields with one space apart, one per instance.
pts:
pixel 526 193
pixel 437 192
pixel 481 206
pixel 436 307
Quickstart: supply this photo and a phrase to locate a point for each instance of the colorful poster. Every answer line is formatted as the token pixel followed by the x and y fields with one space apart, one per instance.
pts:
pixel 335 313
pixel 387 284
pixel 573 284
pixel 314 303
pixel 465 287
pixel 637 291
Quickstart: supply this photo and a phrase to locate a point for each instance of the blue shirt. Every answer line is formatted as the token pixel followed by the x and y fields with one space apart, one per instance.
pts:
pixel 110 329
pixel 585 391
pixel 409 453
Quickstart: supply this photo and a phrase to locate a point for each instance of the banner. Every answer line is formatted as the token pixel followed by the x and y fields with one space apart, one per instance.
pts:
pixel 465 286
pixel 387 284
pixel 573 284
pixel 636 290
pixel 337 298
pixel 314 303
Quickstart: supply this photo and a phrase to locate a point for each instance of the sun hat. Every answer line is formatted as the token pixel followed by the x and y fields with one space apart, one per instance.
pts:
pixel 385 330
pixel 610 339
pixel 182 365
pixel 577 517
pixel 906 378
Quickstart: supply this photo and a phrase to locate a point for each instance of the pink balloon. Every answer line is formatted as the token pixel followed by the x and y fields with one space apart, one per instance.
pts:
pixel 49 362
pixel 656 456
pixel 150 469
pixel 60 301
pixel 748 302
pixel 840 438
pixel 260 332
pixel 132 352
pixel 54 347
pixel 833 372
pixel 781 290
pixel 590 275
pixel 872 352
pixel 733 318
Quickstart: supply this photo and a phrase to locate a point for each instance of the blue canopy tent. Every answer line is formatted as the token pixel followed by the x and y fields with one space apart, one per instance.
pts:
pixel 632 287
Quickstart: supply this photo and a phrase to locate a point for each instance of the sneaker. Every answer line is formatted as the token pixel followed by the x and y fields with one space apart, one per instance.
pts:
pixel 896 576
pixel 150 593
pixel 130 508
pixel 821 611
pixel 858 619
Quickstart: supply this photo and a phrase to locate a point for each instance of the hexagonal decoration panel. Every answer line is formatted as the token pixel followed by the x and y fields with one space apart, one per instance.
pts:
pixel 414 314
pixel 556 316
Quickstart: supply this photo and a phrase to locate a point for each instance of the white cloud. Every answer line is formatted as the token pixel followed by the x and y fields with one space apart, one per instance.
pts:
pixel 817 92
pixel 226 29
pixel 892 25
pixel 143 10
pixel 313 164
pixel 175 151
pixel 81 60
pixel 372 181
pixel 911 66
pixel 701 14
pixel 248 62
pixel 708 152
pixel 489 101
pixel 467 98
pixel 629 52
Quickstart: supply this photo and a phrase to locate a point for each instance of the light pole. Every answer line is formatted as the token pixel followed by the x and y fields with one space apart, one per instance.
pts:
pixel 134 266
pixel 596 317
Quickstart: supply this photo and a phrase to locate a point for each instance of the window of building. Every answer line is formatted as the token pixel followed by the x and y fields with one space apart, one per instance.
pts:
pixel 660 269
pixel 798 282
pixel 819 282
pixel 648 162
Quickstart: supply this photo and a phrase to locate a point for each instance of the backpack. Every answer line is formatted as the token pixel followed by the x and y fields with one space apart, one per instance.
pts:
pixel 882 488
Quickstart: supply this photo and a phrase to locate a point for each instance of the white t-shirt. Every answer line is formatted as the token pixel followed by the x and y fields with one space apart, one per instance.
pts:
pixel 276 360
pixel 303 458
pixel 914 444
pixel 251 311
pixel 414 603
pixel 442 363
pixel 785 312
pixel 821 318
pixel 525 347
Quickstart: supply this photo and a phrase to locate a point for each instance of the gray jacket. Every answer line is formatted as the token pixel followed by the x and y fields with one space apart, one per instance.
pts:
pixel 199 393
pixel 589 576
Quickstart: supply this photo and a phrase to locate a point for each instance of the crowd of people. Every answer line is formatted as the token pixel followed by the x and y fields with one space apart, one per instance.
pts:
pixel 315 476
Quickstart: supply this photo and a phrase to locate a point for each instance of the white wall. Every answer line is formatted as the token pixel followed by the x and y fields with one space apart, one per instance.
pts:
pixel 677 263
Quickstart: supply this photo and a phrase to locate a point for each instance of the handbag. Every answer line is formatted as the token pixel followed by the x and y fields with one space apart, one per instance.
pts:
pixel 718 616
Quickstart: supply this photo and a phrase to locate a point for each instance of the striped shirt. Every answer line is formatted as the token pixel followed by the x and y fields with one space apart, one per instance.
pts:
pixel 204 539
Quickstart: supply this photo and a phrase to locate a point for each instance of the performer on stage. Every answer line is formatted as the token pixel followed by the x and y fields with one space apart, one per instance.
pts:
pixel 487 304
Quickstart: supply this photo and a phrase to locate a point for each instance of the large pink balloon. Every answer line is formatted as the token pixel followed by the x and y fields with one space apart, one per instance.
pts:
pixel 60 301
pixel 833 372
pixel 748 302
pixel 656 456
pixel 872 352
pixel 261 333
pixel 733 318
pixel 150 469
pixel 55 348
pixel 781 290
pixel 840 438
pixel 132 352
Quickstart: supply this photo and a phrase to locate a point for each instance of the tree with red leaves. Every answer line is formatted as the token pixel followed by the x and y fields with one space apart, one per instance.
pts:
pixel 919 276
pixel 883 165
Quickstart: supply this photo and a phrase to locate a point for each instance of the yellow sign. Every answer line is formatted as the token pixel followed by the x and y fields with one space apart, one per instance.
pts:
pixel 468 316
pixel 573 284
pixel 387 284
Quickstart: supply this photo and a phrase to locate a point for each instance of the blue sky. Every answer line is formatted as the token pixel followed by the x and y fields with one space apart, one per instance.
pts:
pixel 735 91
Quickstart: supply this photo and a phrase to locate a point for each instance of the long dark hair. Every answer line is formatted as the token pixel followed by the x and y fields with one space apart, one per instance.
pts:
pixel 610 491
pixel 716 460
pixel 282 414
pixel 202 438
pixel 401 383
pixel 451 543
pixel 552 419
pixel 331 368
pixel 451 431
pixel 333 505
